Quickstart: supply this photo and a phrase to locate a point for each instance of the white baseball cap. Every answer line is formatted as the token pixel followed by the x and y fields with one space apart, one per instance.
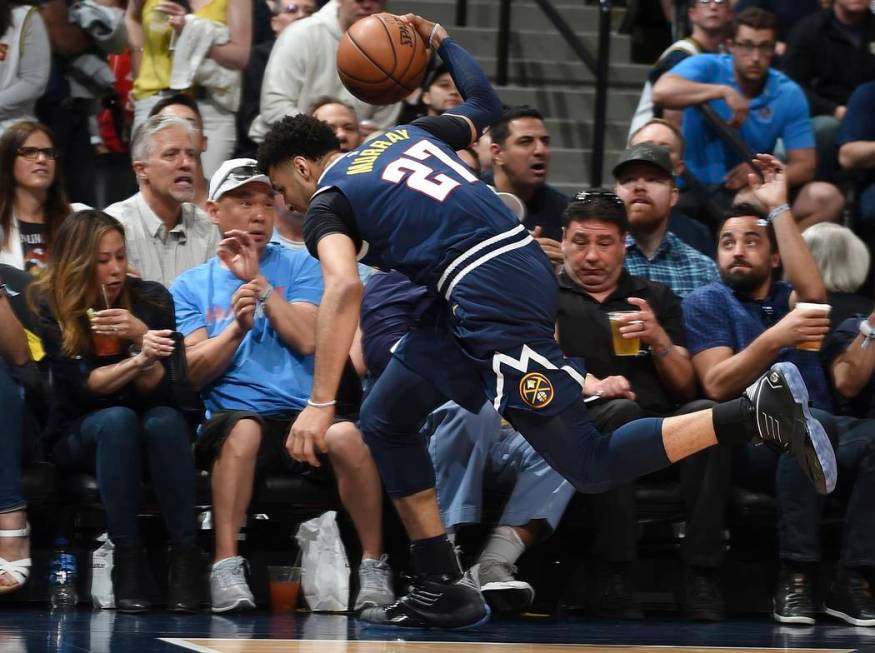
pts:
pixel 232 174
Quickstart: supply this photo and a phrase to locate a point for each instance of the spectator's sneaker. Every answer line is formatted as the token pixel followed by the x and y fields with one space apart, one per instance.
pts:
pixel 779 401
pixel 702 598
pixel 375 584
pixel 228 588
pixel 501 589
pixel 434 602
pixel 792 603
pixel 850 599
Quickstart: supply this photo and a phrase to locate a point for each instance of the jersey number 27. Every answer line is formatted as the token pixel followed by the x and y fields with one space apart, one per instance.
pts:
pixel 422 178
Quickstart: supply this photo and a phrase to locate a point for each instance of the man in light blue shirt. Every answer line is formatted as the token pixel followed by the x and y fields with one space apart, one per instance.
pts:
pixel 764 105
pixel 249 320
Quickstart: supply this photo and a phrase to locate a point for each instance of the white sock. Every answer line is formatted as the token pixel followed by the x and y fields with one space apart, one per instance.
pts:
pixel 451 535
pixel 504 545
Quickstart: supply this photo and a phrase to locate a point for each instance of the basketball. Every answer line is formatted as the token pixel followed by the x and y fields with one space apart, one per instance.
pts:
pixel 381 59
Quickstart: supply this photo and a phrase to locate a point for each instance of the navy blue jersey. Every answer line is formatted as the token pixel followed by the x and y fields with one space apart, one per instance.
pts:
pixel 416 205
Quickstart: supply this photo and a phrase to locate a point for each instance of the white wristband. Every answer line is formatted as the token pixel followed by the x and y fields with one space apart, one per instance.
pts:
pixel 431 36
pixel 321 404
pixel 868 334
pixel 778 210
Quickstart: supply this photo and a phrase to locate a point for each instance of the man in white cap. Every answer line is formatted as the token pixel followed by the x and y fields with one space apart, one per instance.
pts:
pixel 249 320
pixel 166 233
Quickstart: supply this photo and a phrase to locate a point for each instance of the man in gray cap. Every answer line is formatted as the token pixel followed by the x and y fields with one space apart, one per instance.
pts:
pixel 645 182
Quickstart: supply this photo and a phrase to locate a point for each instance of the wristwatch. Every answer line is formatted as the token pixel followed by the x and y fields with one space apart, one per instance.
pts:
pixel 867 332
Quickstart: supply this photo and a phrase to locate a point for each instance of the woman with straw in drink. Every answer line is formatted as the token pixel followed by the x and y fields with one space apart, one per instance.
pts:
pixel 107 336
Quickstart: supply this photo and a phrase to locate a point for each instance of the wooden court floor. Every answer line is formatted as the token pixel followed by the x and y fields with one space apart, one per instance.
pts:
pixel 324 646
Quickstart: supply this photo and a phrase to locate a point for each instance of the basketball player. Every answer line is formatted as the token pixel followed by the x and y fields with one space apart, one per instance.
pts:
pixel 404 201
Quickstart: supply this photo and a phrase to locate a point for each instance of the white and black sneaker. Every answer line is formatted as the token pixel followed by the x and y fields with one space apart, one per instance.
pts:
pixel 434 602
pixel 502 590
pixel 779 402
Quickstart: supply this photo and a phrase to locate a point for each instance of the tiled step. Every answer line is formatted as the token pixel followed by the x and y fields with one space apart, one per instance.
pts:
pixel 576 104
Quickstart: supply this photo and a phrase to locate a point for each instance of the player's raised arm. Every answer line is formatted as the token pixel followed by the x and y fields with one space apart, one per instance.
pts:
pixel 482 106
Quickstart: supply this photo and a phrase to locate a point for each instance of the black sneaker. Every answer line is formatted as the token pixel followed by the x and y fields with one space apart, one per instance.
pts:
pixel 779 401
pixel 793 602
pixel 850 599
pixel 702 598
pixel 434 603
pixel 613 593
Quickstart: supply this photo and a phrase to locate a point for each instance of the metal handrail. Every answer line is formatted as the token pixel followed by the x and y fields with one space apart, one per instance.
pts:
pixel 598 65
pixel 728 135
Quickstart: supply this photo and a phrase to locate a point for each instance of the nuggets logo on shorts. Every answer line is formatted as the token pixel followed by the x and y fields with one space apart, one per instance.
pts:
pixel 536 390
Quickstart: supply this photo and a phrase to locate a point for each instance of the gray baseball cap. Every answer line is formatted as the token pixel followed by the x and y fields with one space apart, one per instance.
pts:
pixel 646 153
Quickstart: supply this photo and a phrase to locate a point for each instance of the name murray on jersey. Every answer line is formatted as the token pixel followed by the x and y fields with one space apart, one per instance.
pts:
pixel 365 159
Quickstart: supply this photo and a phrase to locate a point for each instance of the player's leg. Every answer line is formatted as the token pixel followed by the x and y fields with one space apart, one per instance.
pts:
pixel 442 596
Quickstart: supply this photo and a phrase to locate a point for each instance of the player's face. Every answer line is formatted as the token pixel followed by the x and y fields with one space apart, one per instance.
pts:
pixel 248 208
pixel 752 52
pixel 292 185
pixel 441 96
pixel 169 170
pixel 648 194
pixel 343 122
pixel 744 254
pixel 525 156
pixel 710 16
pixel 36 171
pixel 663 137
pixel 594 252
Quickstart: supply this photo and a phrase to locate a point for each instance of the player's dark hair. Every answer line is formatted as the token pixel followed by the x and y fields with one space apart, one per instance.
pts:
pixel 755 18
pixel 597 204
pixel 177 98
pixel 501 129
pixel 749 210
pixel 298 135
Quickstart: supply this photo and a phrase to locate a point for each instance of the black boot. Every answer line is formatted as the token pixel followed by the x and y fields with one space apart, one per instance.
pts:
pixel 185 581
pixel 127 579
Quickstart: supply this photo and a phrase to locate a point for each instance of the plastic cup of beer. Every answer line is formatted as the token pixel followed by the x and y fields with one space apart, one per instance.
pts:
pixel 105 344
pixel 812 345
pixel 622 346
pixel 285 585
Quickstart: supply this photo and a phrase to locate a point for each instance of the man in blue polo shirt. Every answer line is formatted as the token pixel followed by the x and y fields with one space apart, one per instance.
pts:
pixel 763 104
pixel 249 320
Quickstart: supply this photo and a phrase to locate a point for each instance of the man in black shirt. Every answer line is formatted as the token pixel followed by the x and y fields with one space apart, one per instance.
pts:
pixel 660 380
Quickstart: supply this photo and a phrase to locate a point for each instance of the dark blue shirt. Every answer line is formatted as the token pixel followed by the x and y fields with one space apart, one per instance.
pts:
pixel 863 405
pixel 858 124
pixel 717 316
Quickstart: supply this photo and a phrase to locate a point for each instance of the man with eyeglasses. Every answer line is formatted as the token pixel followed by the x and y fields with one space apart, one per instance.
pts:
pixel 408 203
pixel 709 20
pixel 740 325
pixel 165 233
pixel 764 105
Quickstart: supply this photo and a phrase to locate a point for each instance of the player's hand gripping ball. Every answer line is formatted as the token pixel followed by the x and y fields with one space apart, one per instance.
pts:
pixel 381 59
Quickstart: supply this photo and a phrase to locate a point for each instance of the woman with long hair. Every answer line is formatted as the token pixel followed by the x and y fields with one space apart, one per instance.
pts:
pixel 107 336
pixel 32 199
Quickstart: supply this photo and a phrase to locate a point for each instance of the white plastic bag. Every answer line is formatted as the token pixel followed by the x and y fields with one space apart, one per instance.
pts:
pixel 324 566
pixel 101 574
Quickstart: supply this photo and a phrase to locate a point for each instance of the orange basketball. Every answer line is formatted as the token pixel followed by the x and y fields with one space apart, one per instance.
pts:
pixel 381 59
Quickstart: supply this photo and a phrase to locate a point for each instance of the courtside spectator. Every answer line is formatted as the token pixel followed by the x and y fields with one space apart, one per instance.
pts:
pixel 788 13
pixel 32 199
pixel 25 62
pixel 690 229
pixel 111 406
pixel 166 233
pixel 303 66
pixel 644 177
pixel 440 92
pixel 709 20
pixel 857 153
pixel 154 29
pixel 249 320
pixel 764 105
pixel 342 119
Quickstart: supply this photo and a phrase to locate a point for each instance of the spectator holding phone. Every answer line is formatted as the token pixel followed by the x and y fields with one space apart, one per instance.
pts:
pixel 155 29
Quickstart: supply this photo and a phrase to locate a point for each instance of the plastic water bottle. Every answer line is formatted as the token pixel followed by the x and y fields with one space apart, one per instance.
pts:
pixel 62 576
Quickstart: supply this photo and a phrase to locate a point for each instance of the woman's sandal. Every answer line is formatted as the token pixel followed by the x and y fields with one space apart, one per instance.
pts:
pixel 17 570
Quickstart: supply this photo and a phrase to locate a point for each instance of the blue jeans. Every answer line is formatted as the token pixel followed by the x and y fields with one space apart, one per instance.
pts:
pixel 11 432
pixel 856 458
pixel 111 442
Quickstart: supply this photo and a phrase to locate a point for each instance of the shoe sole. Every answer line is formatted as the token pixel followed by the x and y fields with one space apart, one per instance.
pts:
pixel 240 604
pixel 505 598
pixel 802 621
pixel 370 625
pixel 848 618
pixel 814 431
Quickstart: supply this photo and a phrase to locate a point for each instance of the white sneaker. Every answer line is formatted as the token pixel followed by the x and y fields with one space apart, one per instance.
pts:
pixel 501 589
pixel 228 588
pixel 375 584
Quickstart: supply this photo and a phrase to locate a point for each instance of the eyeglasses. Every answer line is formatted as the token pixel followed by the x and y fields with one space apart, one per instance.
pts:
pixel 292 8
pixel 748 48
pixel 708 3
pixel 32 153
pixel 591 195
